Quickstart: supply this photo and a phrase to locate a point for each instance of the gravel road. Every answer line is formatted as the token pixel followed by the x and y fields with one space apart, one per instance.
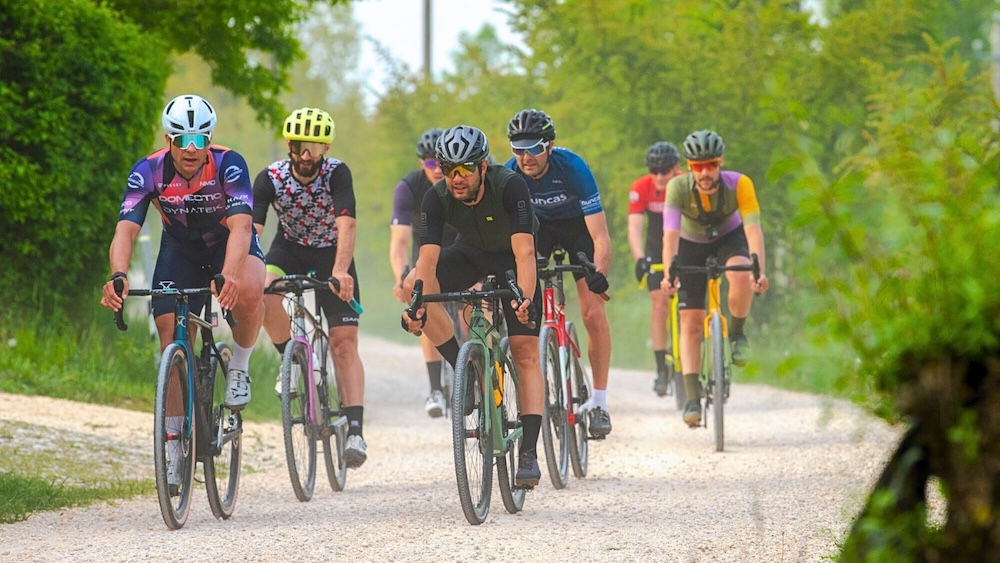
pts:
pixel 795 471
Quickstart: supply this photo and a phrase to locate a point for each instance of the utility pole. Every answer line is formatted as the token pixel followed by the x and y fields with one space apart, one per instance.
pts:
pixel 995 55
pixel 427 40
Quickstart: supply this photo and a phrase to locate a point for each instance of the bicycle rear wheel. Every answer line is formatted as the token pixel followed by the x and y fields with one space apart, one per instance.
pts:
pixel 222 464
pixel 471 439
pixel 717 387
pixel 298 429
pixel 555 431
pixel 335 432
pixel 173 437
pixel 580 387
pixel 676 383
pixel 513 497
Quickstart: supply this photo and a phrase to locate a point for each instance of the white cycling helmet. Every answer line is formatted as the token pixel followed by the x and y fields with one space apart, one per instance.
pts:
pixel 188 115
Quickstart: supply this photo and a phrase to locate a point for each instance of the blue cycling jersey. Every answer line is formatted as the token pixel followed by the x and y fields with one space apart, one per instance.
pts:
pixel 566 191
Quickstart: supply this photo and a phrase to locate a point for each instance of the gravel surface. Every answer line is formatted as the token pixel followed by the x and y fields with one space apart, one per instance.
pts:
pixel 795 470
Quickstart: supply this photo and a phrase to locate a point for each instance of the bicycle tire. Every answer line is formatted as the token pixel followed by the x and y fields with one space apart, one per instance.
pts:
pixel 173 383
pixel 298 430
pixel 718 383
pixel 510 408
pixel 335 432
pixel 471 439
pixel 555 430
pixel 676 381
pixel 580 387
pixel 222 468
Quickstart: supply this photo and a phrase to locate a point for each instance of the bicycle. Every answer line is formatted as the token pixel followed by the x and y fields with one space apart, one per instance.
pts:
pixel 716 361
pixel 189 416
pixel 310 404
pixel 486 427
pixel 567 383
pixel 675 383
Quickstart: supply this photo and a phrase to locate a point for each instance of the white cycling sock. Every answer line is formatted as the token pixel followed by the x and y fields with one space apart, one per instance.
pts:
pixel 600 399
pixel 241 357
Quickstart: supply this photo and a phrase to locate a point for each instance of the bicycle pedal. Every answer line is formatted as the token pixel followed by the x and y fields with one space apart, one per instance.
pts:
pixel 524 487
pixel 593 437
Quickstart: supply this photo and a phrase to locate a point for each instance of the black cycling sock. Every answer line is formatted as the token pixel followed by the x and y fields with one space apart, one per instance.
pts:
pixel 434 374
pixel 280 347
pixel 661 359
pixel 736 326
pixel 692 386
pixel 449 351
pixel 354 419
pixel 532 424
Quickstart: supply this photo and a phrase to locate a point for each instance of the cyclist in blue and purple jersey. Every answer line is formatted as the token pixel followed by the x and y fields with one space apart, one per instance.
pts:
pixel 568 206
pixel 711 212
pixel 404 247
pixel 313 198
pixel 204 197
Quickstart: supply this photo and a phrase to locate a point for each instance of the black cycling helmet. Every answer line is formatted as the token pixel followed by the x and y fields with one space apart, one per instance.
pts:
pixel 461 144
pixel 662 155
pixel 531 124
pixel 703 145
pixel 425 145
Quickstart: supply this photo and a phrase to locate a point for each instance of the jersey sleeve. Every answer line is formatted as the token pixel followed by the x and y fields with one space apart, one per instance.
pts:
pixel 236 184
pixel 263 196
pixel 517 202
pixel 403 204
pixel 636 198
pixel 342 191
pixel 138 193
pixel 746 199
pixel 673 203
pixel 586 186
pixel 431 218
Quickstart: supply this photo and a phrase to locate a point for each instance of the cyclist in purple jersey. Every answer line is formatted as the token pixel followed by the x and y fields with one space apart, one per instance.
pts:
pixel 568 205
pixel 403 246
pixel 313 197
pixel 203 194
pixel 711 212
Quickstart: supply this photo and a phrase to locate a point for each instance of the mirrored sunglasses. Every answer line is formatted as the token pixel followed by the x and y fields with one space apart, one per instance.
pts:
pixel 534 150
pixel 431 163
pixel 182 141
pixel 462 169
pixel 659 171
pixel 701 166
pixel 299 147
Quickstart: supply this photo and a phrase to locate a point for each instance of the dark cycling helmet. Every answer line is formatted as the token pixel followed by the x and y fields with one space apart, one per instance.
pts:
pixel 425 145
pixel 531 124
pixel 662 155
pixel 703 145
pixel 461 144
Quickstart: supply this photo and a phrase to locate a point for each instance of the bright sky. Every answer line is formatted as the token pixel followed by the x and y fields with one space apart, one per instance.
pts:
pixel 398 24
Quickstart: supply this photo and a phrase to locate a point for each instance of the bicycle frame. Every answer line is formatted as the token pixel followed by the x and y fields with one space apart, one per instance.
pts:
pixel 554 315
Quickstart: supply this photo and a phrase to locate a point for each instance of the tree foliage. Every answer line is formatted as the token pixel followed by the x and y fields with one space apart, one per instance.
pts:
pixel 79 96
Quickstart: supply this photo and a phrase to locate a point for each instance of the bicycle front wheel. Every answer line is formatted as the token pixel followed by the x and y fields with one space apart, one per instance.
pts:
pixel 222 467
pixel 335 432
pixel 173 437
pixel 579 386
pixel 297 425
pixel 513 497
pixel 555 432
pixel 471 439
pixel 718 384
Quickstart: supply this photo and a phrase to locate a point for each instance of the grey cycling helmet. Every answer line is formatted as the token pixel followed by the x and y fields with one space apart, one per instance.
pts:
pixel 662 155
pixel 428 139
pixel 703 145
pixel 531 124
pixel 461 144
pixel 188 115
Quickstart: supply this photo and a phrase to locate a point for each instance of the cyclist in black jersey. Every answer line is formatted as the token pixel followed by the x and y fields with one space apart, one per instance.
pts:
pixel 403 245
pixel 203 194
pixel 313 197
pixel 490 209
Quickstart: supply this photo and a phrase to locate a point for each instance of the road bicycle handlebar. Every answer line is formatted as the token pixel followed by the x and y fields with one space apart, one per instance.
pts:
pixel 713 269
pixel 300 283
pixel 119 286
pixel 418 298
